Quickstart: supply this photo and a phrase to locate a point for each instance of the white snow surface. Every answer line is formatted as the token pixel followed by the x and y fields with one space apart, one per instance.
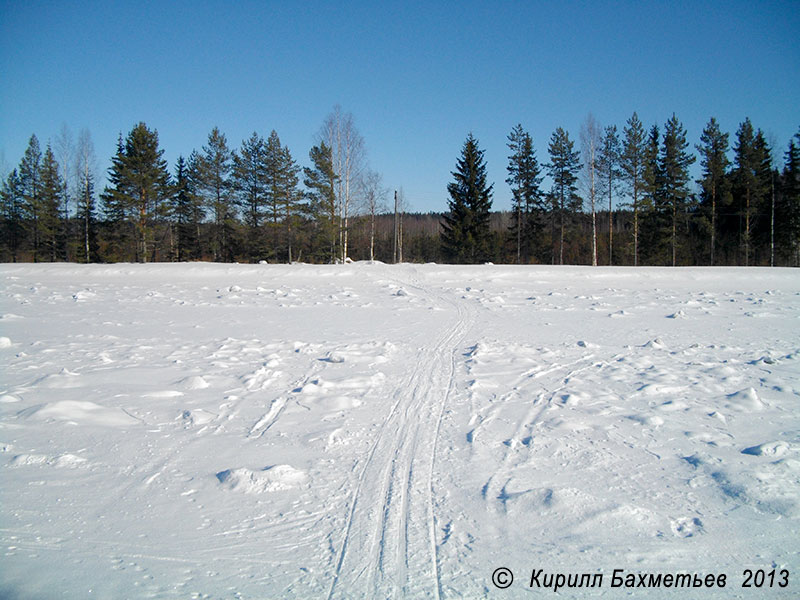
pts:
pixel 378 431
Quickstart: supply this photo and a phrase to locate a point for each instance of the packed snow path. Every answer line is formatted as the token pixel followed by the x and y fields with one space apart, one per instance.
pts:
pixel 366 430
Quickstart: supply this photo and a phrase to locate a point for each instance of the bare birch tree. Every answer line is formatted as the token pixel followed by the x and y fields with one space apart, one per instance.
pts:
pixel 374 197
pixel 85 169
pixel 65 150
pixel 348 156
pixel 590 143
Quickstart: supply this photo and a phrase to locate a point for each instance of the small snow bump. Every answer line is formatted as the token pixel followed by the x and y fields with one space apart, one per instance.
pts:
pixel 270 479
pixel 744 400
pixel 195 382
pixel 656 343
pixel 776 449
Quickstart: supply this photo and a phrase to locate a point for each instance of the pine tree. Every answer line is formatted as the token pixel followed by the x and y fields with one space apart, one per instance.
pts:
pixel 563 170
pixel 465 230
pixel 675 162
pixel 320 183
pixel 632 163
pixel 273 162
pixel 214 167
pixel 49 219
pixel 251 182
pixel 524 178
pixel 713 157
pixel 608 167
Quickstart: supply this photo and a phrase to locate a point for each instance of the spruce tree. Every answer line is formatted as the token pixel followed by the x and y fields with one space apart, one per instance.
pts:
pixel 713 151
pixel 675 162
pixel 140 185
pixel 320 183
pixel 465 230
pixel 86 217
pixel 31 186
pixel 290 197
pixel 49 219
pixel 788 221
pixel 185 211
pixel 198 209
pixel 524 178
pixel 748 186
pixel 116 209
pixel 13 214
pixel 632 163
pixel 763 226
pixel 563 170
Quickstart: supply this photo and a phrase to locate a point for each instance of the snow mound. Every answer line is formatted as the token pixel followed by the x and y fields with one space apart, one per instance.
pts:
pixel 64 380
pixel 744 400
pixel 768 449
pixel 75 411
pixel 656 343
pixel 8 399
pixel 677 315
pixel 270 479
pixel 647 420
pixel 5 342
pixel 196 382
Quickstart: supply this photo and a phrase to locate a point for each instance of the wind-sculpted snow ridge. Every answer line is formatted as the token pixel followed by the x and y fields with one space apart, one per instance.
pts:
pixel 368 430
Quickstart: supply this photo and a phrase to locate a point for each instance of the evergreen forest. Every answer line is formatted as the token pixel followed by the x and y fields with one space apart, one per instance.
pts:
pixel 608 197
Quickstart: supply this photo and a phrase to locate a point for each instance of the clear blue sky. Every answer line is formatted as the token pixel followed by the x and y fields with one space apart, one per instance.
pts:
pixel 417 76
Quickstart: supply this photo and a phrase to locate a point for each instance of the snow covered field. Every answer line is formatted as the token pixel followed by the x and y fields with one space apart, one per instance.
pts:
pixel 231 431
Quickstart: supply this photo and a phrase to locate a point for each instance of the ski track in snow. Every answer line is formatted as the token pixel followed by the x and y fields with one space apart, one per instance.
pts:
pixel 391 524
pixel 366 430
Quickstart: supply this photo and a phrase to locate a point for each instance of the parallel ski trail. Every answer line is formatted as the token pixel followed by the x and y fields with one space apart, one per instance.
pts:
pixel 389 547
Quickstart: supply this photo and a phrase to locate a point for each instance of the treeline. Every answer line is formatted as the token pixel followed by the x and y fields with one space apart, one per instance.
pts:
pixel 746 210
pixel 219 204
pixel 622 198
